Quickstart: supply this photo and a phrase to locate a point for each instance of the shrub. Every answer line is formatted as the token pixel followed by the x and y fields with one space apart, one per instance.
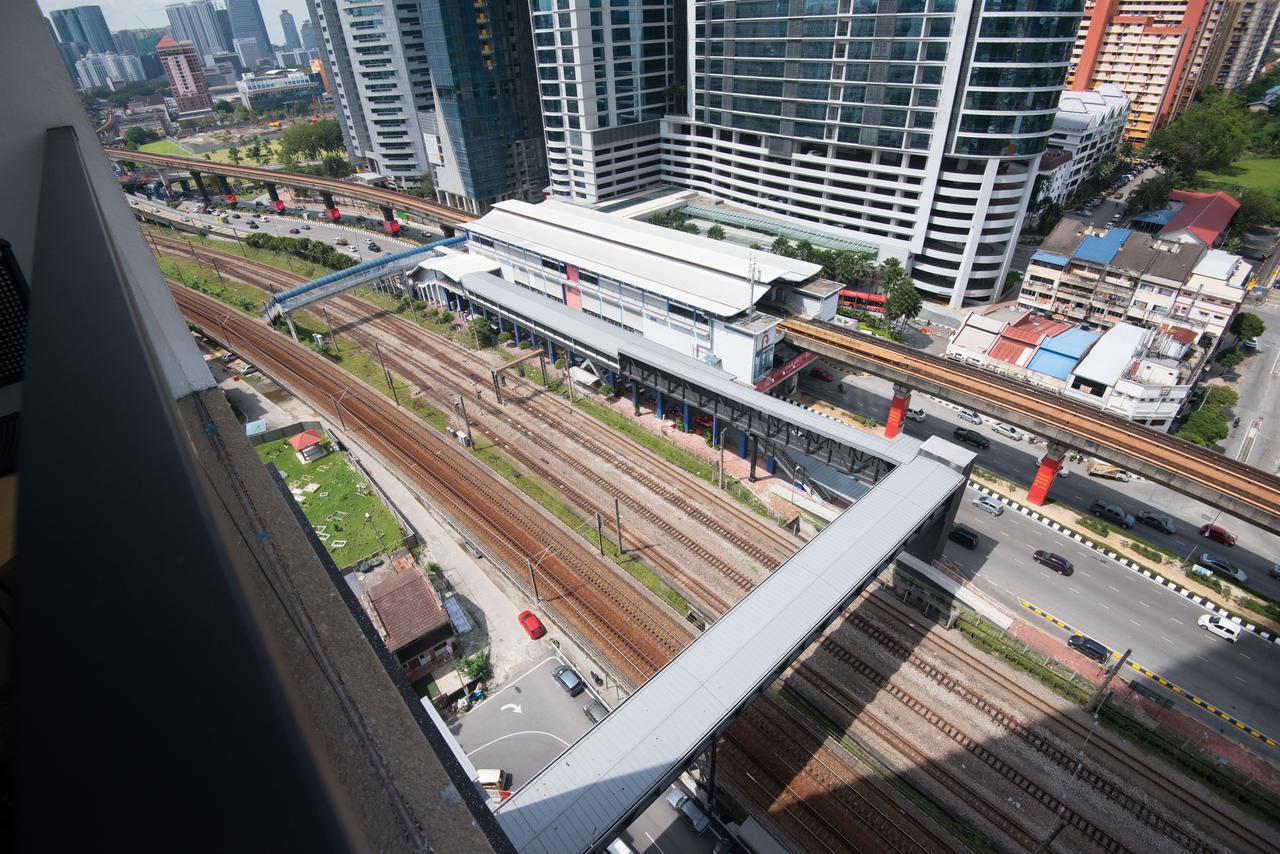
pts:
pixel 446 317
pixel 476 666
pixel 606 390
pixel 523 345
pixel 1146 551
pixel 560 363
pixel 1092 524
pixel 433 313
pixel 1230 358
pixel 504 336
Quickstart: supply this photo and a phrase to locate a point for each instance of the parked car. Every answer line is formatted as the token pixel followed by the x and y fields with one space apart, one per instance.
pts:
pixel 1215 625
pixel 989 505
pixel 820 374
pixel 915 413
pixel 569 680
pixel 596 711
pixel 969 437
pixel 1221 566
pixel 1218 534
pixel 1249 343
pixel 1112 513
pixel 1007 430
pixel 1056 562
pixel 1089 648
pixel 294 231
pixel 305 227
pixel 531 624
pixel 493 779
pixel 373 247
pixel 1159 521
pixel 235 216
pixel 969 415
pixel 682 803
pixel 963 536
pixel 370 565
pixel 252 224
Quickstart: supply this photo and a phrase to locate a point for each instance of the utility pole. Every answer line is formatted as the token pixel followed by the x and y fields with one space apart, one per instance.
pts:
pixel 462 404
pixel 617 518
pixel 386 373
pixel 533 579
pixel 332 337
pixel 722 460
pixel 214 261
pixel 338 408
pixel 1096 700
pixel 600 533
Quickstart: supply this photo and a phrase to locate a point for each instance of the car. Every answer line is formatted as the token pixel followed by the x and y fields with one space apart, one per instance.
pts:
pixel 820 374
pixel 1112 513
pixel 373 247
pixel 252 224
pixel 1250 343
pixel 989 505
pixel 1056 562
pixel 963 536
pixel 370 565
pixel 531 624
pixel 294 231
pixel 682 803
pixel 305 227
pixel 969 437
pixel 596 711
pixel 1007 430
pixel 1089 648
pixel 1218 534
pixel 1159 521
pixel 1215 625
pixel 1221 566
pixel 235 216
pixel 340 241
pixel 569 680
pixel 915 413
pixel 968 415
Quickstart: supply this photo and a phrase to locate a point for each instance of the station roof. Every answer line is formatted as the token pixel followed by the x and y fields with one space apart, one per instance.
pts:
pixel 710 275
pixel 455 265
pixel 577 801
pixel 604 338
pixel 1111 356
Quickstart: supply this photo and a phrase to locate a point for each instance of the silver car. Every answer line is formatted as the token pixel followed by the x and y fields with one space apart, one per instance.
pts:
pixel 989 504
pixel 1007 430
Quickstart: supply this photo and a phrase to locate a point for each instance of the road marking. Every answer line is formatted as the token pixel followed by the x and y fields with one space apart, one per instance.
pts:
pixel 1136 623
pixel 1165 639
pixel 654 842
pixel 1237 677
pixel 1085 574
pixel 1176 620
pixel 1143 604
pixel 1250 657
pixel 1201 657
pixel 1246 447
pixel 1113 589
pixel 512 683
pixel 513 734
pixel 1100 605
pixel 513 706
pixel 1275 366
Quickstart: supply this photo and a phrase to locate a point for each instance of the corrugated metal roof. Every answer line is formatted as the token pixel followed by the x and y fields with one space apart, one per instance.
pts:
pixel 626 761
pixel 1050 258
pixel 408 608
pixel 1204 215
pixel 592 332
pixel 1101 248
pixel 711 275
pixel 1034 328
pixel 1007 350
pixel 1051 363
pixel 1111 355
pixel 1073 342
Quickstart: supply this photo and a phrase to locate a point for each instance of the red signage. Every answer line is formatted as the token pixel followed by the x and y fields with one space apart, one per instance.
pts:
pixel 783 371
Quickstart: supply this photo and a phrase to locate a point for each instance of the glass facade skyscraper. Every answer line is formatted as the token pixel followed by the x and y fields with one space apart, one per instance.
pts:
pixel 83 25
pixel 198 23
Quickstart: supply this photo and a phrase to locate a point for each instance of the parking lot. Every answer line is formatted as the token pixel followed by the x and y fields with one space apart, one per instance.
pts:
pixel 1110 209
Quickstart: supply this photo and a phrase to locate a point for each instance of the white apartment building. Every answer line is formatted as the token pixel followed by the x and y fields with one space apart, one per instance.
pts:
pixel 99 69
pixel 1246 33
pixel 1089 126
pixel 376 54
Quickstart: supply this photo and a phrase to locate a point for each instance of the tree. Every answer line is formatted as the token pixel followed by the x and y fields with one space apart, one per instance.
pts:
pixel 1220 397
pixel 233 154
pixel 1230 358
pixel 715 232
pixel 1248 325
pixel 1257 207
pixel 1153 193
pixel 335 166
pixel 782 246
pixel 902 301
pixel 475 666
pixel 480 331
pixel 1205 427
pixel 1210 134
pixel 136 137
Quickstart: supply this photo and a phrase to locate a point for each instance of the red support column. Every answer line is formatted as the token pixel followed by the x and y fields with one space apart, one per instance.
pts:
pixel 1049 465
pixel 897 410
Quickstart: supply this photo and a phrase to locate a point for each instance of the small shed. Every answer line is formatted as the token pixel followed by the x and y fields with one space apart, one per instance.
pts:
pixel 308 445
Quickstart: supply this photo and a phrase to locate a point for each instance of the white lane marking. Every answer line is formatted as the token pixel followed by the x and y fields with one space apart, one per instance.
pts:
pixel 1237 677
pixel 1075 591
pixel 1136 623
pixel 522 732
pixel 654 842
pixel 1113 589
pixel 1201 657
pixel 1176 620
pixel 1165 639
pixel 1246 655
pixel 528 672
pixel 1100 605
pixel 1143 604
pixel 1085 574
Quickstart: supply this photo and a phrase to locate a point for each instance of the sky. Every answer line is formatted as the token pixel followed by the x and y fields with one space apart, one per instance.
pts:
pixel 132 14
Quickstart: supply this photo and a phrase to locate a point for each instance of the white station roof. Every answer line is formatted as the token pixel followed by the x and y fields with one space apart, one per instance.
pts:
pixel 710 275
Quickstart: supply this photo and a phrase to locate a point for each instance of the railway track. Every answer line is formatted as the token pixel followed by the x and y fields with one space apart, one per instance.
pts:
pixel 1176 456
pixel 775 551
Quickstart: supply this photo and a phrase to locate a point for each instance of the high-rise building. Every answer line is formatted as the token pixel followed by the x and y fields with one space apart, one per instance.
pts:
pixel 1157 52
pixel 1089 126
pixel 86 25
pixel 308 33
pixel 183 65
pixel 1245 35
pixel 291 39
pixel 381 83
pixel 197 23
pixel 223 17
pixel 251 53
pixel 101 69
pixel 247 23
pixel 914 130
pixel 70 52
pixel 487 140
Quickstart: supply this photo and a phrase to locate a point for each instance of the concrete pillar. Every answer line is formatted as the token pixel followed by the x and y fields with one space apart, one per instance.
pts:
pixel 447 230
pixel 185 185
pixel 515 332
pixel 613 379
pixel 897 410
pixel 551 351
pixel 742 445
pixel 659 409
pixel 275 197
pixel 684 413
pixel 204 191
pixel 755 450
pixel 389 223
pixel 330 208
pixel 229 196
pixel 635 398
pixel 501 326
pixel 1049 465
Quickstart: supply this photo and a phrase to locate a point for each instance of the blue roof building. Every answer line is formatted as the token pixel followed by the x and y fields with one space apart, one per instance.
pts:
pixel 1058 355
pixel 1101 248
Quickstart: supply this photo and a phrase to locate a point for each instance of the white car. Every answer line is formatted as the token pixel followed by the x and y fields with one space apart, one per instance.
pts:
pixel 915 414
pixel 1007 430
pixel 969 415
pixel 989 504
pixel 1215 625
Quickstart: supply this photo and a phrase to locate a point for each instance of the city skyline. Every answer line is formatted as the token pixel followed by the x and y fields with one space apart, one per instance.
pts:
pixel 135 14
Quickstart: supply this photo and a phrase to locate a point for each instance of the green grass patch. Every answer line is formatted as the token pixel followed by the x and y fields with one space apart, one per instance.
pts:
pixel 1249 173
pixel 279 260
pixel 1099 527
pixel 246 298
pixel 1053 675
pixel 337 507
pixel 166 146
pixel 1147 552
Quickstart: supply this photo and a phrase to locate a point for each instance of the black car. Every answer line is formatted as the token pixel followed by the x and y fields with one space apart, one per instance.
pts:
pixel 569 680
pixel 1056 562
pixel 1159 521
pixel 969 437
pixel 1089 648
pixel 963 536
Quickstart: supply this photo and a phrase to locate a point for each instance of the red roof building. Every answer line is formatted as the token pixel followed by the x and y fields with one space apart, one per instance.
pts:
pixel 1203 217
pixel 305 440
pixel 1018 341
pixel 414 624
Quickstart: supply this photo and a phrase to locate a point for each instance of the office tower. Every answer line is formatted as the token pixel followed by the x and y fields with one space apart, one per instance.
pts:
pixel 1245 35
pixel 86 25
pixel 309 37
pixel 247 23
pixel 487 144
pixel 291 40
pixel 197 23
pixel 142 44
pixel 1156 53
pixel 381 83
pixel 100 69
pixel 183 66
pixel 250 53
pixel 70 52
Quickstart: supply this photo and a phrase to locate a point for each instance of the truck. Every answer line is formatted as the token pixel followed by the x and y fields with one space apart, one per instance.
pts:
pixel 1097 468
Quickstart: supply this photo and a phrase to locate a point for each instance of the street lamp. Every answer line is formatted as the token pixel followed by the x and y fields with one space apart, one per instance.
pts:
pixel 533 564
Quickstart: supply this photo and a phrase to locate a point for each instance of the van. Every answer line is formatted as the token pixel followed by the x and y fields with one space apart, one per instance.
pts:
pixel 493 778
pixel 962 536
pixel 1112 513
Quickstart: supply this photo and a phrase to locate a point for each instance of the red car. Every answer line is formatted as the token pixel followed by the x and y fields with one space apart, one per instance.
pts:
pixel 819 373
pixel 1218 534
pixel 531 624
